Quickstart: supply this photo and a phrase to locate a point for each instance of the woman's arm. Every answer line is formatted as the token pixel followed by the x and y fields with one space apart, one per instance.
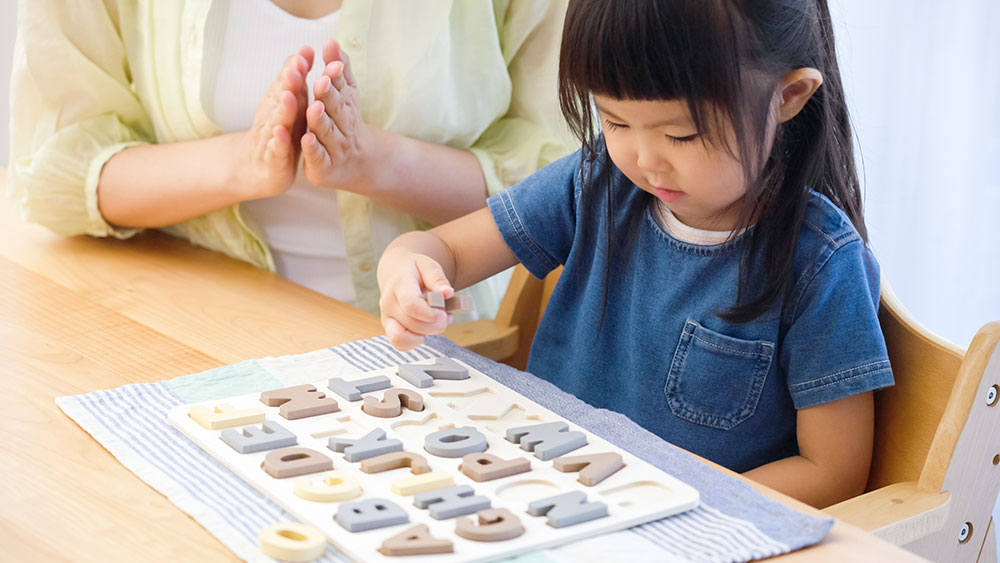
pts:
pixel 160 185
pixel 73 108
pixel 835 451
pixel 433 182
pixel 451 256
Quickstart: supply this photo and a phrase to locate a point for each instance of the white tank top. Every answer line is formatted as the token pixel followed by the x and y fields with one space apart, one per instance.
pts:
pixel 246 43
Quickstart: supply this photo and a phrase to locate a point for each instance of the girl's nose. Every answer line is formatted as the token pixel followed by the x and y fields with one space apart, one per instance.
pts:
pixel 650 157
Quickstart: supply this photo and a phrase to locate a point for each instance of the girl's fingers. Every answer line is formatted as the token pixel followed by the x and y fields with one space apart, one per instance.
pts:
pixel 419 317
pixel 416 327
pixel 406 314
pixel 321 87
pixel 415 313
pixel 280 84
pixel 301 89
pixel 399 337
pixel 432 276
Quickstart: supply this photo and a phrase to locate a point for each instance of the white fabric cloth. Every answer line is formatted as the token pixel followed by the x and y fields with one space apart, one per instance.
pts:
pixel 252 39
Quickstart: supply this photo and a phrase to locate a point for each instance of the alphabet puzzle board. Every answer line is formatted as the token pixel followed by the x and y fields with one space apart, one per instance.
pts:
pixel 489 472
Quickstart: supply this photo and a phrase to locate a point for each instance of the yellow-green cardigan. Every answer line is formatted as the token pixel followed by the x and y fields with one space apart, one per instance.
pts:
pixel 92 77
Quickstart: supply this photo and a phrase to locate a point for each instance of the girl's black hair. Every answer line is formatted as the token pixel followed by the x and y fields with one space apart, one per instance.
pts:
pixel 725 59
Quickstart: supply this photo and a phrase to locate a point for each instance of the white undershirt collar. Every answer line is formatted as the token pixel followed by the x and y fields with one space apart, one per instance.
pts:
pixel 684 233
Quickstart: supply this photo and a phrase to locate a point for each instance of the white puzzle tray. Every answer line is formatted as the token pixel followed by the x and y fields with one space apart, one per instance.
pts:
pixel 519 501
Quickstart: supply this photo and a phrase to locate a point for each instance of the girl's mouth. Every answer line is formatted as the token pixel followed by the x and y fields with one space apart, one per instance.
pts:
pixel 668 196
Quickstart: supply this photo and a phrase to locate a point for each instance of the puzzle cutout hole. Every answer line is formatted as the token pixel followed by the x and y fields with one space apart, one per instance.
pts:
pixel 515 415
pixel 417 429
pixel 640 495
pixel 523 492
pixel 460 400
pixel 340 425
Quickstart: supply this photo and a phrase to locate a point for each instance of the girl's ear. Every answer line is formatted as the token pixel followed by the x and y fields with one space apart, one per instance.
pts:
pixel 794 90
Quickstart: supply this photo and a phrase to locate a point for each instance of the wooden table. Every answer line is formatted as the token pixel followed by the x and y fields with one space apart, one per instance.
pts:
pixel 80 314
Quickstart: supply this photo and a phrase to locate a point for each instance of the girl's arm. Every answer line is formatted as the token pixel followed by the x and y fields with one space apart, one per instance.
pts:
pixel 451 256
pixel 835 451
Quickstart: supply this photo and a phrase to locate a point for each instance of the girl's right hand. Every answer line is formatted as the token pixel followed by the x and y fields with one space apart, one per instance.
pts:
pixel 403 280
pixel 268 154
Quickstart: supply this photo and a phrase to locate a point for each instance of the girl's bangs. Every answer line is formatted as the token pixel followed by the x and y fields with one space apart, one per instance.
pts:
pixel 652 50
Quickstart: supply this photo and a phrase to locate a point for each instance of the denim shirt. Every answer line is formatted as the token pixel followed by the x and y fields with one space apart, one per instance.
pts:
pixel 662 356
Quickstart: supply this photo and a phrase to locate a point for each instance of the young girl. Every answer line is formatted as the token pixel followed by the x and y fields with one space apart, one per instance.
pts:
pixel 717 287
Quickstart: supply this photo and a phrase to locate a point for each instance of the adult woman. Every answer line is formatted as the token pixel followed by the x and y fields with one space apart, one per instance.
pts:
pixel 129 115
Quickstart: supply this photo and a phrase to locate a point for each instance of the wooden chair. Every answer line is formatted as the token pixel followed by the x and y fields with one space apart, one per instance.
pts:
pixel 936 465
pixel 936 461
pixel 507 338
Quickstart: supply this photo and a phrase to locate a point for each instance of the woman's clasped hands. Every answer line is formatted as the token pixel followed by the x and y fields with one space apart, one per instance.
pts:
pixel 338 148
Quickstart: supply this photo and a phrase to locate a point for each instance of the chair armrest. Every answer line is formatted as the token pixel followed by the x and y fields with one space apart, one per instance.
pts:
pixel 899 513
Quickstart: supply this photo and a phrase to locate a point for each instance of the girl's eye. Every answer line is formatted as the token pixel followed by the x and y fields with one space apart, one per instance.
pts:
pixel 613 126
pixel 682 140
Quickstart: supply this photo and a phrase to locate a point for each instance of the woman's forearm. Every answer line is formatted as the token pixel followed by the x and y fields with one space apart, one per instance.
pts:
pixel 435 183
pixel 160 185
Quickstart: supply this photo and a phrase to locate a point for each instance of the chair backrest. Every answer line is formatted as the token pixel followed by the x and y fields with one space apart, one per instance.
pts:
pixel 522 307
pixel 908 414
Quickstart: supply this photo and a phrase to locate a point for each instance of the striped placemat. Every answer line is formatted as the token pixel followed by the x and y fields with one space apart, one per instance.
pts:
pixel 733 523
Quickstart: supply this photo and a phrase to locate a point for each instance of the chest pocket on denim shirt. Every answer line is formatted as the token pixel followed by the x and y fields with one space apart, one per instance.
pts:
pixel 716 380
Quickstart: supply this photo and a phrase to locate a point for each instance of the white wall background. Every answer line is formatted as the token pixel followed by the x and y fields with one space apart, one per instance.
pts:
pixel 923 85
pixel 8 23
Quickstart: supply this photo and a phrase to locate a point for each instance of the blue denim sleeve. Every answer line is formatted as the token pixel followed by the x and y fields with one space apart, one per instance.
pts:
pixel 834 346
pixel 537 217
